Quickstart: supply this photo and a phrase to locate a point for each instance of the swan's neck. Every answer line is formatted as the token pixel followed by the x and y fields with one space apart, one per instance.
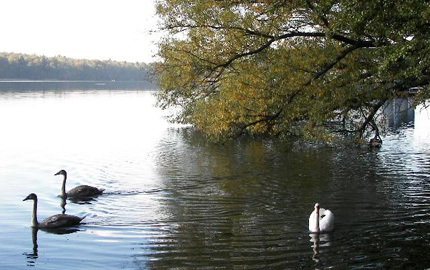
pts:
pixel 317 220
pixel 34 222
pixel 63 187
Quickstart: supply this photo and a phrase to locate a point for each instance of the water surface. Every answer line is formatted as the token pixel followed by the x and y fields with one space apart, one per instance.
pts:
pixel 174 201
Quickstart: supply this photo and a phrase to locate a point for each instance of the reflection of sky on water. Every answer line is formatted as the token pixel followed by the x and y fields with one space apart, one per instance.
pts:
pixel 69 122
pixel 422 122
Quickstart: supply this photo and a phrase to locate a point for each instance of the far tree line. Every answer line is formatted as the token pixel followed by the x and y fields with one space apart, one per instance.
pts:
pixel 34 67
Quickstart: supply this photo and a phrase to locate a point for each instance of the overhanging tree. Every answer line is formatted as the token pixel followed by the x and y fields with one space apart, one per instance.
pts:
pixel 282 67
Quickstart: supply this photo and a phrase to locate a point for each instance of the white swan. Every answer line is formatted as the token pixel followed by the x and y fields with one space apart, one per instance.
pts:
pixel 83 191
pixel 321 220
pixel 55 221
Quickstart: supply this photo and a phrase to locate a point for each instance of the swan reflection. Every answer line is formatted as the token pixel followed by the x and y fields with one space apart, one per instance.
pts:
pixel 82 201
pixel 320 240
pixel 63 205
pixel 32 256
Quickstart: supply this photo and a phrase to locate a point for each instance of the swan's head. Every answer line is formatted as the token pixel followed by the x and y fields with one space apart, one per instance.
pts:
pixel 62 172
pixel 31 196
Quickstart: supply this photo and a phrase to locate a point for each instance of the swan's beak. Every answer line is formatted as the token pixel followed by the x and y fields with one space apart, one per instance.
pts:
pixel 27 198
pixel 58 173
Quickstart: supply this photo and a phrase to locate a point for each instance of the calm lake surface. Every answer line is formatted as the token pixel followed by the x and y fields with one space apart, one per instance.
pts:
pixel 174 201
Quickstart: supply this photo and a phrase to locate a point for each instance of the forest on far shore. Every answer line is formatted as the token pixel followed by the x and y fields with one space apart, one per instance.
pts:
pixel 34 67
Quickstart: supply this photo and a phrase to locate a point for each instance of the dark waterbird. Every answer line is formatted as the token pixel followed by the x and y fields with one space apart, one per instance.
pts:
pixel 79 192
pixel 55 221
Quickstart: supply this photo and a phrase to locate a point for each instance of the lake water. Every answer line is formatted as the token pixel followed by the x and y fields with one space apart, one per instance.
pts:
pixel 174 201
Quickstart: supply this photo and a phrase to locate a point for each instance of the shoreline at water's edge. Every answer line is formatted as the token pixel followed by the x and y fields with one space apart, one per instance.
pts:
pixel 35 85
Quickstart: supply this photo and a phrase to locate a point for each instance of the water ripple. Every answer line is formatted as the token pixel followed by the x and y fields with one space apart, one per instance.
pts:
pixel 175 201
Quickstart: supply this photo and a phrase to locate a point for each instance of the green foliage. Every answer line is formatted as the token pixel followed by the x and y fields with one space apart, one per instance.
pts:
pixel 297 67
pixel 33 67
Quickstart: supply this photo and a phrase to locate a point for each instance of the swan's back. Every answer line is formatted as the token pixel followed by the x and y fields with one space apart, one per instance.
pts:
pixel 60 220
pixel 84 191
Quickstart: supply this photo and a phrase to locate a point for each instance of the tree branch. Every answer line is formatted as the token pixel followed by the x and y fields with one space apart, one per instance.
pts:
pixel 370 117
pixel 329 66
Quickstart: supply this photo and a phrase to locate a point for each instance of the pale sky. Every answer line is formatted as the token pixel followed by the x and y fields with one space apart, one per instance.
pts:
pixel 91 29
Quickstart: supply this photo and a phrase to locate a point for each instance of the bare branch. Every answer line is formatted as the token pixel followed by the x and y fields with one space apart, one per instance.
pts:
pixel 370 117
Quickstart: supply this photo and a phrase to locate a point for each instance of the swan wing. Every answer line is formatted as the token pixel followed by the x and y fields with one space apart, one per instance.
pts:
pixel 84 191
pixel 60 220
pixel 322 212
pixel 326 220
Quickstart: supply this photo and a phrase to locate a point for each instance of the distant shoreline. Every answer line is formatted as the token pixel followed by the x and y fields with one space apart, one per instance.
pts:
pixel 48 85
pixel 14 66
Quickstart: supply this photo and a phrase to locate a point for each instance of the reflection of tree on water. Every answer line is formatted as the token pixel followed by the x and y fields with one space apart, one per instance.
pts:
pixel 319 240
pixel 244 204
pixel 233 205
